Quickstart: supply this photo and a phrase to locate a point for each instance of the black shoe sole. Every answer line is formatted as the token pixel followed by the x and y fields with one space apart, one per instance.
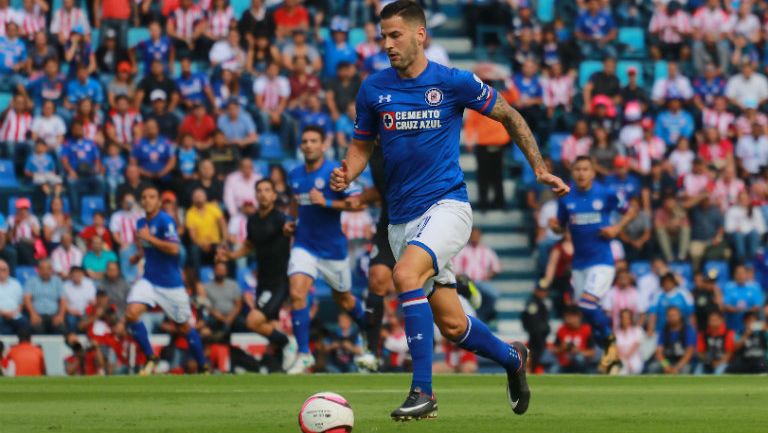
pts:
pixel 405 418
pixel 524 398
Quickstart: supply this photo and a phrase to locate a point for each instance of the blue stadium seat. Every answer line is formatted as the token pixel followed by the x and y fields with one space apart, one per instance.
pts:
pixel 660 69
pixel 7 174
pixel 239 7
pixel 721 267
pixel 640 268
pixel 206 274
pixel 324 33
pixel 271 148
pixel 261 166
pixel 555 145
pixel 683 269
pixel 545 10
pixel 587 68
pixel 633 39
pixel 5 100
pixel 356 36
pixel 245 280
pixel 95 41
pixel 64 202
pixel 89 205
pixel 136 35
pixel 622 69
pixel 23 273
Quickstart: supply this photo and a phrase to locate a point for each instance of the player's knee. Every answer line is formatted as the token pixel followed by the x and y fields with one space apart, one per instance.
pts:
pixel 298 298
pixel 132 313
pixel 452 328
pixel 405 278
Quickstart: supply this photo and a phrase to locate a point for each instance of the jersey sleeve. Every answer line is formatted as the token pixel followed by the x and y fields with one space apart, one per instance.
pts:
pixel 168 231
pixel 366 126
pixel 472 92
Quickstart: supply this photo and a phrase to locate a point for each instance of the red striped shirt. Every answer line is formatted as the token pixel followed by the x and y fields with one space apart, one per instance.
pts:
pixel 185 21
pixel 356 225
pixel 15 126
pixel 7 15
pixel 477 262
pixel 218 22
pixel 64 21
pixel 32 22
pixel 124 124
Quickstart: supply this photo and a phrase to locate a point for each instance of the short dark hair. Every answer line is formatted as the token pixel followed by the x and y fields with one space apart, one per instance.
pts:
pixel 314 128
pixel 572 310
pixel 582 158
pixel 265 180
pixel 408 10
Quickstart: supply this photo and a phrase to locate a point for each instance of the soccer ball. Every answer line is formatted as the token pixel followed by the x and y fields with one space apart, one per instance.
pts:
pixel 326 412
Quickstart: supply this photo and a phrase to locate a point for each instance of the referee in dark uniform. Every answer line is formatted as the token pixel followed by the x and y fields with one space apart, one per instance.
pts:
pixel 380 282
pixel 268 236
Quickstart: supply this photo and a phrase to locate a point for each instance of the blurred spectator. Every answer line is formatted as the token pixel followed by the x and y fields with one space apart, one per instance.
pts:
pixel 746 85
pixel 716 150
pixel 33 18
pixel 194 87
pixel 81 160
pixel 434 52
pixel 124 124
pixel 674 85
pixel 343 90
pixel 82 86
pixel 11 302
pixel 133 183
pixel 44 300
pixel 559 90
pixel 219 20
pixel 744 227
pixel 207 181
pixel 633 91
pixel 673 230
pixel 239 128
pixel 603 152
pixel 187 156
pixel 84 361
pixel 154 155
pixel 41 54
pixel 240 186
pixel 15 128
pixel 225 299
pixel 659 183
pixel 342 345
pixel 706 231
pixel 96 259
pixel 156 86
pixel 749 117
pixel 741 295
pixel 186 28
pixel 40 169
pixel 157 47
pixel 302 82
pixel 67 20
pixel 636 236
pixel 199 125
pixel 529 104
pixel 478 262
pixel 488 139
pixel 114 166
pixel 682 159
pixel 55 223
pixel 558 273
pixel 7 250
pixel 111 53
pixel 312 114
pixel 574 344
pixel 122 84
pixel 115 287
pixel 674 122
pixel 122 225
pixel 750 347
pixel 224 155
pixel 98 228
pixel 627 184
pixel 752 150
pixel 299 48
pixel 24 232
pixel 289 16
pixel 676 345
pixel 629 338
pixel 14 59
pixel 596 31
pixel 604 82
pixel 718 116
pixel 669 28
pixel 337 48
pixel 24 358
pixel 671 296
pixel 227 52
pixel 207 229
pixel 255 21
pixel 49 127
pixel 66 256
pixel 623 296
pixel 715 346
pixel 708 88
pixel 272 91
pixel 535 320
pixel 707 297
pixel 79 293
pixel 577 144
pixel 711 28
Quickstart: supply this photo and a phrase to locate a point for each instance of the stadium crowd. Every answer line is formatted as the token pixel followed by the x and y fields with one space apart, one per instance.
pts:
pixel 111 95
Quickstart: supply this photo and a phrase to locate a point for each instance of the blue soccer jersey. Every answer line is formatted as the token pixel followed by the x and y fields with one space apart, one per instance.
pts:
pixel 153 156
pixel 192 88
pixel 318 229
pixel 585 213
pixel 418 122
pixel 161 269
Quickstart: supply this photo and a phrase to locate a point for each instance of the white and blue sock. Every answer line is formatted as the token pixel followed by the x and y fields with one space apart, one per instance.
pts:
pixel 300 320
pixel 196 347
pixel 420 334
pixel 140 334
pixel 597 319
pixel 479 339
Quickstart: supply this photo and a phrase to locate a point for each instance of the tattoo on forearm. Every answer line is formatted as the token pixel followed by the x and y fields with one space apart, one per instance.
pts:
pixel 518 129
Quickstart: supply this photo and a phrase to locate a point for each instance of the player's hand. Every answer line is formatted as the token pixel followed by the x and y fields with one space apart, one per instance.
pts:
pixel 289 228
pixel 558 186
pixel 609 232
pixel 339 177
pixel 144 234
pixel 316 197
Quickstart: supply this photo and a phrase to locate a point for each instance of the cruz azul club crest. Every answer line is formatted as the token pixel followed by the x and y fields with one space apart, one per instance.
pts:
pixel 433 97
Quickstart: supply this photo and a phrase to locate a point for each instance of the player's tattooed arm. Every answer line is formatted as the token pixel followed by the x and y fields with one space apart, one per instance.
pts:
pixel 521 134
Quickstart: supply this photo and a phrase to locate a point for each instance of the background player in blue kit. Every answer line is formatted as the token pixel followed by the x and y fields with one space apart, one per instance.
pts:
pixel 319 247
pixel 415 109
pixel 587 214
pixel 161 284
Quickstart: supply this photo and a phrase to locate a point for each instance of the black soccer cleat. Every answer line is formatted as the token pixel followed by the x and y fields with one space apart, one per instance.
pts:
pixel 518 393
pixel 418 405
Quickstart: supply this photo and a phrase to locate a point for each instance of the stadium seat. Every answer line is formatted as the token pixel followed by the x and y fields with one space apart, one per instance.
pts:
pixel 660 70
pixel 324 33
pixel 262 167
pixel 206 274
pixel 587 68
pixel 64 201
pixel 95 39
pixel 89 205
pixel 721 267
pixel 356 36
pixel 545 10
pixel 136 35
pixel 5 99
pixel 271 148
pixel 7 174
pixel 640 268
pixel 246 280
pixel 683 269
pixel 633 39
pixel 622 69
pixel 23 273
pixel 239 7
pixel 555 145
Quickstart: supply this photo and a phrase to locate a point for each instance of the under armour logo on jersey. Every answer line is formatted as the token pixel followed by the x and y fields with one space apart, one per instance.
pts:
pixel 415 337
pixel 385 98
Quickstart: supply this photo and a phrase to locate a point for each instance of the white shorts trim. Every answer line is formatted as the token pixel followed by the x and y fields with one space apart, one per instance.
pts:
pixel 173 301
pixel 442 231
pixel 594 280
pixel 336 273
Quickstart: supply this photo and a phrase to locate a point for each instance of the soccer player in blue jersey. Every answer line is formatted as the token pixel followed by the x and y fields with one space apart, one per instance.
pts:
pixel 415 109
pixel 319 246
pixel 161 284
pixel 587 213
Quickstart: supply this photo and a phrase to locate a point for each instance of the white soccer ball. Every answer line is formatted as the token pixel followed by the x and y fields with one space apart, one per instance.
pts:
pixel 326 412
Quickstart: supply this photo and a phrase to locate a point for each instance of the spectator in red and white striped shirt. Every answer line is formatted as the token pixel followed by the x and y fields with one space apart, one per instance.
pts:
pixel 712 27
pixel 577 144
pixel 124 124
pixel 24 228
pixel 32 18
pixel 187 27
pixel 7 15
pixel 669 29
pixel 122 225
pixel 15 125
pixel 218 20
pixel 66 19
pixel 66 255
pixel 477 261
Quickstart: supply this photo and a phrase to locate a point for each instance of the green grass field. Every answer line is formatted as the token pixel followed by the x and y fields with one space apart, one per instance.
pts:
pixel 468 404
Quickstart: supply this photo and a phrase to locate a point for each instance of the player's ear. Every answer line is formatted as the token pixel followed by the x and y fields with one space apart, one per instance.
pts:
pixel 421 34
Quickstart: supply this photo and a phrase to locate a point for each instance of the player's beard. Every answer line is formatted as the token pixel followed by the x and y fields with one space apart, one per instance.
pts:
pixel 406 57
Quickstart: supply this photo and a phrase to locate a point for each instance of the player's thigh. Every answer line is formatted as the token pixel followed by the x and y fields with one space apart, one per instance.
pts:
pixel 302 272
pixel 336 273
pixel 255 320
pixel 448 313
pixel 380 280
pixel 413 269
pixel 175 304
pixel 598 280
pixel 140 298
